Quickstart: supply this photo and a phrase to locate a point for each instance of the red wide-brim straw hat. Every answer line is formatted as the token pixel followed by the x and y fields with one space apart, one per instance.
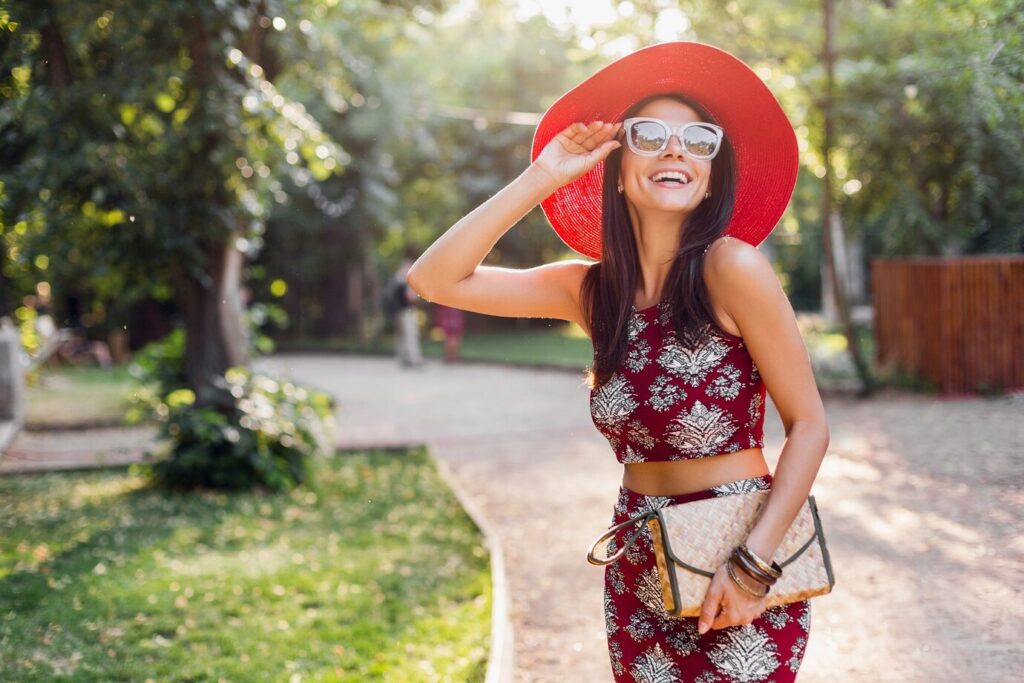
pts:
pixel 762 137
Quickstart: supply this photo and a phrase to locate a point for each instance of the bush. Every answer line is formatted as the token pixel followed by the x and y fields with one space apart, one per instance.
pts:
pixel 262 432
pixel 162 363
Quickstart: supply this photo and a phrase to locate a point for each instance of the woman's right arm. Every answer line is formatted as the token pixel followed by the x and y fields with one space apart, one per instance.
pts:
pixel 450 271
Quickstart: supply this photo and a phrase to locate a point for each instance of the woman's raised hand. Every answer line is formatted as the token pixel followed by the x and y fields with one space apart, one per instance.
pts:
pixel 577 149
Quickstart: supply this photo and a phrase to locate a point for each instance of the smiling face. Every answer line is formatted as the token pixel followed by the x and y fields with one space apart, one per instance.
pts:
pixel 651 183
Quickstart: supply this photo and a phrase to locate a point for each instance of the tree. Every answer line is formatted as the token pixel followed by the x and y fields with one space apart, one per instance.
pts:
pixel 141 146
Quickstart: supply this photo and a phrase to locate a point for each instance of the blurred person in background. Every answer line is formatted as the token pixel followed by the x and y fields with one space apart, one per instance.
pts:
pixel 407 333
pixel 452 324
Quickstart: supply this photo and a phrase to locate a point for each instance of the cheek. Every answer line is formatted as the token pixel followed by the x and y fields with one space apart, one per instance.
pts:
pixel 625 168
pixel 705 172
pixel 631 173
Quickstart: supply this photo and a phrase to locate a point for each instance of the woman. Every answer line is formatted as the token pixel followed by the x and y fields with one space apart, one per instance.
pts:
pixel 407 327
pixel 452 323
pixel 669 166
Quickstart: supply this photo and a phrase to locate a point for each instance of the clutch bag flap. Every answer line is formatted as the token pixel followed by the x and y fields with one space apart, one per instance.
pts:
pixel 692 540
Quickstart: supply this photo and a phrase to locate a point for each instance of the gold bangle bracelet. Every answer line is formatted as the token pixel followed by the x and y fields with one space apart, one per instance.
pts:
pixel 745 587
pixel 744 563
pixel 769 569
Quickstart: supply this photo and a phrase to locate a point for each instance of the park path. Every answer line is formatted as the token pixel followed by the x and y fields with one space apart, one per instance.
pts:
pixel 920 498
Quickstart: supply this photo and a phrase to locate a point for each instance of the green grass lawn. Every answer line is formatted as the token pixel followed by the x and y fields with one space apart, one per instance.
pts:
pixel 373 572
pixel 557 345
pixel 564 345
pixel 546 347
pixel 75 395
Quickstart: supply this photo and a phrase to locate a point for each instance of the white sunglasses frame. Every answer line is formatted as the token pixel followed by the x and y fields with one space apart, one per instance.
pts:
pixel 678 131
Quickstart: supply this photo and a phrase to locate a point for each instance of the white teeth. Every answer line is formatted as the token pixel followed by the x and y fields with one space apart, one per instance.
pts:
pixel 671 175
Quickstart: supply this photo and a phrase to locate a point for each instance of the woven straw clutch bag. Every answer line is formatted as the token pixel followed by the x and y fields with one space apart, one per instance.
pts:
pixel 692 540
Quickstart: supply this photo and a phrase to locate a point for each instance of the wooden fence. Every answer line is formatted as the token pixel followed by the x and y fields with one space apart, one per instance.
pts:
pixel 956 322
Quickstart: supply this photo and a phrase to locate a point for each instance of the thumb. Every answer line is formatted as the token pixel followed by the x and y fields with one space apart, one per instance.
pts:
pixel 601 153
pixel 607 148
pixel 709 610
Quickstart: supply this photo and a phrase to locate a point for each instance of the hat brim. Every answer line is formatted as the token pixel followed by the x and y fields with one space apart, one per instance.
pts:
pixel 763 140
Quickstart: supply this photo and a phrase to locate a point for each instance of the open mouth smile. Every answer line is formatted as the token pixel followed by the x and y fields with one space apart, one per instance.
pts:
pixel 671 179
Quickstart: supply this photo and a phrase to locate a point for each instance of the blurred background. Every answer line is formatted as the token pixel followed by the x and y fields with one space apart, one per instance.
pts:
pixel 144 145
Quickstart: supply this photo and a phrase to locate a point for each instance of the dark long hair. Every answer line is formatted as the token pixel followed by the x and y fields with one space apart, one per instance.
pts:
pixel 609 285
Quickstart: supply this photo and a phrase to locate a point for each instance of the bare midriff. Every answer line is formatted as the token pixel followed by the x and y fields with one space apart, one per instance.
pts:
pixel 686 476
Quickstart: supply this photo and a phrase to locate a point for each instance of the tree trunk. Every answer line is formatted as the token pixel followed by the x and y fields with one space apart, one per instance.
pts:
pixel 211 303
pixel 58 67
pixel 335 320
pixel 7 300
pixel 828 225
pixel 214 330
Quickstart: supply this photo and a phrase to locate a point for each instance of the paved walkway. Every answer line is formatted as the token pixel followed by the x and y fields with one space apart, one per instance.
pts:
pixel 920 498
pixel 66 449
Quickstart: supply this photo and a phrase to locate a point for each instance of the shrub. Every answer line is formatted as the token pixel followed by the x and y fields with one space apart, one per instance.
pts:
pixel 162 363
pixel 262 431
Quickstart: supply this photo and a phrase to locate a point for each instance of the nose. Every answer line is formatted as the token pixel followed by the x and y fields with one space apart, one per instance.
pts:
pixel 674 148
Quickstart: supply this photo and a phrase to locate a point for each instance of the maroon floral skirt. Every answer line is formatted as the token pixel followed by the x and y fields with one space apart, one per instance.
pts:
pixel 646 645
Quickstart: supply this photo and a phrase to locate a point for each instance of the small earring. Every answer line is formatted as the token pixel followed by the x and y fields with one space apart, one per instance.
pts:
pixel 707 194
pixel 621 189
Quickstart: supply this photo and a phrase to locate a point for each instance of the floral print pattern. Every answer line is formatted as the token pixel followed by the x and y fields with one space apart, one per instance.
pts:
pixel 646 644
pixel 636 357
pixel 727 385
pixel 664 393
pixel 691 361
pixel 679 397
pixel 702 431
pixel 613 403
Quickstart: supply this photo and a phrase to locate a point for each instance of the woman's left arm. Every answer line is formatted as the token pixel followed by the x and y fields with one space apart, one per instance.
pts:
pixel 741 279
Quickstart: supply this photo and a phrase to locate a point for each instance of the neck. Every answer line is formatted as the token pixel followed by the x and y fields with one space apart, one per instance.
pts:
pixel 657 238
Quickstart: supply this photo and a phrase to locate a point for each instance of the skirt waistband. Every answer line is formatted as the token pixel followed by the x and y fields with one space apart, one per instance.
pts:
pixel 633 499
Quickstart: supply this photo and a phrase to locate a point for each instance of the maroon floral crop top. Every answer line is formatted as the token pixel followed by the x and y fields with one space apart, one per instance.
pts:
pixel 676 399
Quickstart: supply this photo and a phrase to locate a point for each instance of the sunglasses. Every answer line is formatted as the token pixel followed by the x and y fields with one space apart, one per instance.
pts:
pixel 649 137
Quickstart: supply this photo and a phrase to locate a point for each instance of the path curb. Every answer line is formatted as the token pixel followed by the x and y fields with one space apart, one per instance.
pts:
pixel 500 660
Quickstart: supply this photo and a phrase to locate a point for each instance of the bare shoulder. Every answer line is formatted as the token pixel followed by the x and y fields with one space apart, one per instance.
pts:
pixel 743 283
pixel 728 252
pixel 732 268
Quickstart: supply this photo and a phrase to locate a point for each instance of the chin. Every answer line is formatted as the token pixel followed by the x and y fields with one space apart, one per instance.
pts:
pixel 669 207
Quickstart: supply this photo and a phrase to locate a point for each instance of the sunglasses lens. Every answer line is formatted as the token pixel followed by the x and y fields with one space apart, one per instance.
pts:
pixel 700 141
pixel 647 136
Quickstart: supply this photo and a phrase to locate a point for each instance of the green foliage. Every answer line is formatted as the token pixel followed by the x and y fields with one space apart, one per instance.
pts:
pixel 931 118
pixel 263 431
pixel 257 318
pixel 264 434
pixel 30 340
pixel 160 365
pixel 363 126
pixel 138 137
pixel 421 157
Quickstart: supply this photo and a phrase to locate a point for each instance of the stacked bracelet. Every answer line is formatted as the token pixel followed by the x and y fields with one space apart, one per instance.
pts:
pixel 752 569
pixel 773 570
pixel 762 572
pixel 744 586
